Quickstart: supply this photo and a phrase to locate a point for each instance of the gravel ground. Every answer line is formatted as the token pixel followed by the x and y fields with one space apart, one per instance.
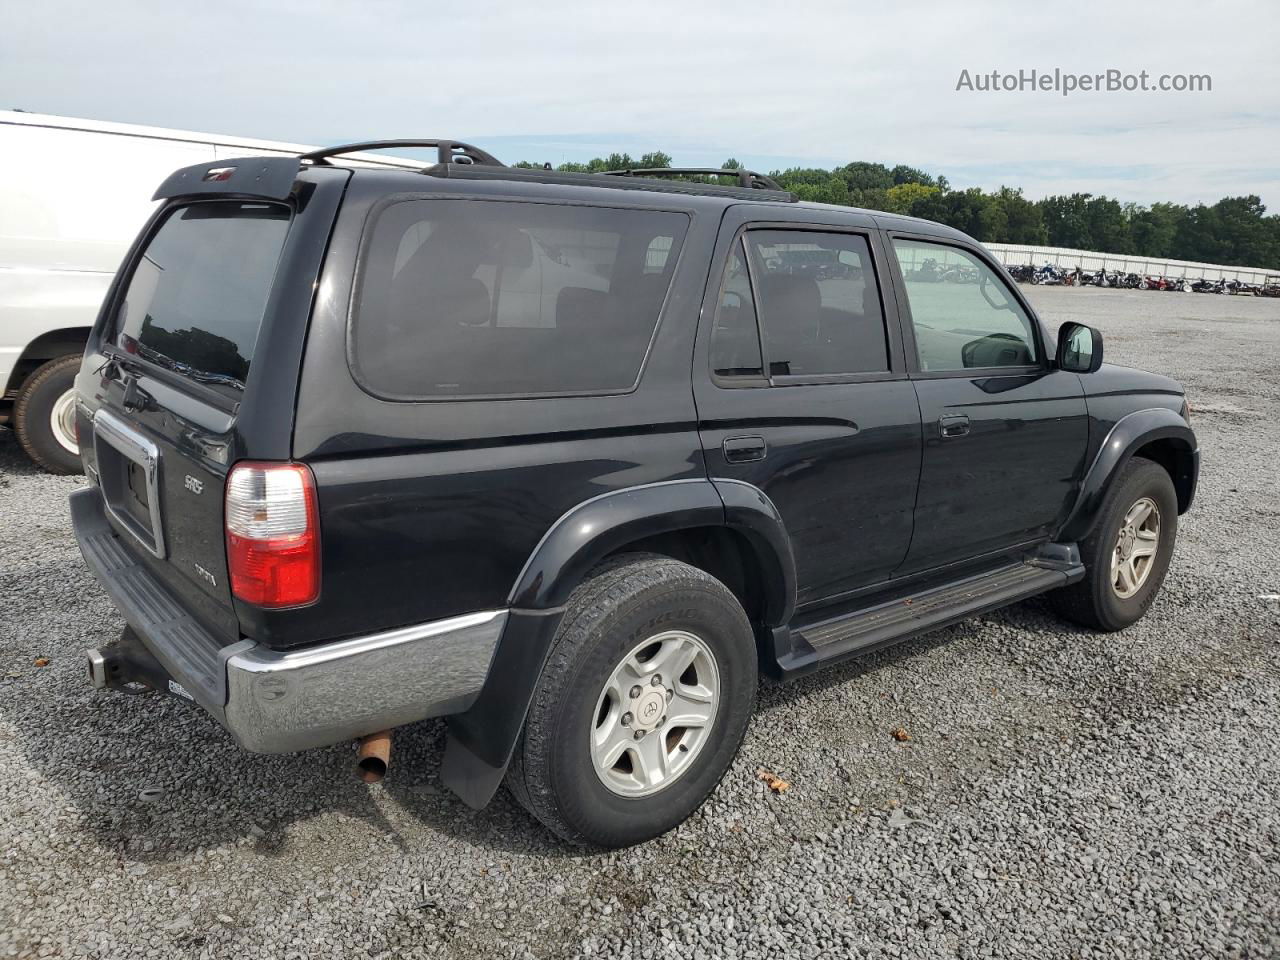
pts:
pixel 1063 794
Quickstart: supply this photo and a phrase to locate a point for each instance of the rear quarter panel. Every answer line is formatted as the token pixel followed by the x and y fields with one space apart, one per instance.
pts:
pixel 431 509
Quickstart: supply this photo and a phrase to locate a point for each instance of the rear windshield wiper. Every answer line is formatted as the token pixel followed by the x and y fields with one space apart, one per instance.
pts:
pixel 224 379
pixel 187 370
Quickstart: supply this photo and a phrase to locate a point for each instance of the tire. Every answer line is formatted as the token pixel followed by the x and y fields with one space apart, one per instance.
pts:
pixel 1100 601
pixel 36 415
pixel 613 614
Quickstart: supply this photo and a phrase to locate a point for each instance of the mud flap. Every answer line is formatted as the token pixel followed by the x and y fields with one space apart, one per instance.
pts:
pixel 481 740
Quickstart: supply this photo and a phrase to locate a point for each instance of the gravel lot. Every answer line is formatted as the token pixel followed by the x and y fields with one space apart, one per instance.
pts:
pixel 1062 794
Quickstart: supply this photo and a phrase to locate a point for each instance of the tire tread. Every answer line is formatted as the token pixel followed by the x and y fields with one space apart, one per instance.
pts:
pixel 21 409
pixel 608 590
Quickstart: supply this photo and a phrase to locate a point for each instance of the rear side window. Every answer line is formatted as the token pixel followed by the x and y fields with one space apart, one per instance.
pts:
pixel 816 300
pixel 735 337
pixel 470 298
pixel 196 298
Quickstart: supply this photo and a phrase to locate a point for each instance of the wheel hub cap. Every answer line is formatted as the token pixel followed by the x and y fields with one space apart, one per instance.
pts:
pixel 649 708
pixel 62 422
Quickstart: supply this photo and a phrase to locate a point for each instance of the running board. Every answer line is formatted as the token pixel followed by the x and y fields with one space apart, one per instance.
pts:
pixel 828 640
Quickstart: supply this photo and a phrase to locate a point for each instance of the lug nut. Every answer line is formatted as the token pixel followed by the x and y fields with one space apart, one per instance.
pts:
pixel 670 695
pixel 626 719
pixel 639 734
pixel 635 692
pixel 657 680
pixel 662 722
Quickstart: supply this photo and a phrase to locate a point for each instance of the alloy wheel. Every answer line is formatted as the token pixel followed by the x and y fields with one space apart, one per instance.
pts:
pixel 1136 546
pixel 655 714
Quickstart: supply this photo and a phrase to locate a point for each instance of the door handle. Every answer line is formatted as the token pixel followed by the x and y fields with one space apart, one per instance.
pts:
pixel 955 425
pixel 744 449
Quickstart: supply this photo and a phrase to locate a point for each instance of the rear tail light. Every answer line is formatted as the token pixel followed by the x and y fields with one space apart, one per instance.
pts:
pixel 273 534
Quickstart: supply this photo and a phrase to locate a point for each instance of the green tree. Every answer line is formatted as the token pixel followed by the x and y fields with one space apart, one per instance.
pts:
pixel 1235 230
pixel 900 198
pixel 656 159
pixel 1024 222
pixel 1108 226
pixel 1153 229
pixel 866 176
pixel 903 174
pixel 1066 220
pixel 1243 234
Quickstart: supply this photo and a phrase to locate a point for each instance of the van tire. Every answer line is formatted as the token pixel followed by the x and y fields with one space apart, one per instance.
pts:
pixel 553 773
pixel 45 391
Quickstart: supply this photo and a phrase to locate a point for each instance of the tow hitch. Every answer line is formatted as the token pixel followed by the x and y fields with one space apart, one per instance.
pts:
pixel 129 667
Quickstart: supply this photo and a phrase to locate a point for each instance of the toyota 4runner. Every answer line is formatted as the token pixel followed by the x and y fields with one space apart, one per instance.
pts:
pixel 569 458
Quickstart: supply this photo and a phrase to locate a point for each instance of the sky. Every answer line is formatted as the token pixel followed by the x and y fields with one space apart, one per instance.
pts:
pixel 800 84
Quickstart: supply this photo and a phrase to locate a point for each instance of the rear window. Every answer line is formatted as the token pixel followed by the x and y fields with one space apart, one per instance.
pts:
pixel 196 298
pixel 469 298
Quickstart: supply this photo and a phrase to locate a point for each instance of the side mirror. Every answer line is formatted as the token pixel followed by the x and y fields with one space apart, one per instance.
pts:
pixel 1079 348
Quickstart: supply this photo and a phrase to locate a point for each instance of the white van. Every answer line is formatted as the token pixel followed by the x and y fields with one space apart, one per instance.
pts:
pixel 73 196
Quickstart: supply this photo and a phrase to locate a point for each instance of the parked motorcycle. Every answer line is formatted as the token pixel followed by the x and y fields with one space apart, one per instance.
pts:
pixel 1048 275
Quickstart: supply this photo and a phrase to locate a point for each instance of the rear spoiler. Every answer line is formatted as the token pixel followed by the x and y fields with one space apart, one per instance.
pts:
pixel 262 178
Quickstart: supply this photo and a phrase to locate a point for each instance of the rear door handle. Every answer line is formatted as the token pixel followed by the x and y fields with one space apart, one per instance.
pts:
pixel 954 425
pixel 744 449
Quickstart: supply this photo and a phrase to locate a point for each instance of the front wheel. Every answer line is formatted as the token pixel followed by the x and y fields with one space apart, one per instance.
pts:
pixel 44 416
pixel 641 707
pixel 1127 555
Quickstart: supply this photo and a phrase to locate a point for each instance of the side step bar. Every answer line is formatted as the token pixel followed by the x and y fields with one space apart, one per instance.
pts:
pixel 821 643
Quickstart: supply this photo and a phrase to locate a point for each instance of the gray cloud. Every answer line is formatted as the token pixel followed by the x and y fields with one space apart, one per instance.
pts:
pixel 818 82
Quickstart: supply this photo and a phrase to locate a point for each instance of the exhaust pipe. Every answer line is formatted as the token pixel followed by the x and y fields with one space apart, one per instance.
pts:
pixel 97 669
pixel 374 756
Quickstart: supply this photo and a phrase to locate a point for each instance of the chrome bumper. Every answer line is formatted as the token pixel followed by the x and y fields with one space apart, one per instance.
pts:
pixel 280 701
pixel 283 701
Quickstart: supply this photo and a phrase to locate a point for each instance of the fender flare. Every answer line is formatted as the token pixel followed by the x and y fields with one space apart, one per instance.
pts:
pixel 481 740
pixel 1128 435
pixel 597 527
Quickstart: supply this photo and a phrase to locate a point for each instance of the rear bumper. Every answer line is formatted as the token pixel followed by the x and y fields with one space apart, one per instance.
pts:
pixel 280 701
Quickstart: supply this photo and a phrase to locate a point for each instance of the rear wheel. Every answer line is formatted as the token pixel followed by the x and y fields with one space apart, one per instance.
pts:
pixel 1127 554
pixel 44 416
pixel 641 707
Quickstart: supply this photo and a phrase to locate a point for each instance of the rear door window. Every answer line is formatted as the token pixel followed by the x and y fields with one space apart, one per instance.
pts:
pixel 471 298
pixel 819 306
pixel 197 296
pixel 735 336
pixel 815 297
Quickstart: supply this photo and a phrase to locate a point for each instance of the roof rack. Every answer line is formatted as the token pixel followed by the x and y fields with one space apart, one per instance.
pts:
pixel 447 151
pixel 651 184
pixel 745 178
pixel 458 159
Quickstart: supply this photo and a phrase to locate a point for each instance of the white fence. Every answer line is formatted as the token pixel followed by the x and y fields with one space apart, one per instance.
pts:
pixel 1090 260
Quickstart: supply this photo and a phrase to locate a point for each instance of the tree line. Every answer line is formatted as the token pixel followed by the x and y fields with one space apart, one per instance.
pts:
pixel 1235 230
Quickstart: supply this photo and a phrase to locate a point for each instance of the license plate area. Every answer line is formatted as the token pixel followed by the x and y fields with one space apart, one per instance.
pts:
pixel 129 476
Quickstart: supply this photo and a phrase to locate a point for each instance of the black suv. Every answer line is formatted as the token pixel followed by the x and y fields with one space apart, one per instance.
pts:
pixel 570 458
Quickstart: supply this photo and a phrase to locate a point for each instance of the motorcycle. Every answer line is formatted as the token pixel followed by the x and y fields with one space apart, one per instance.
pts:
pixel 1048 275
